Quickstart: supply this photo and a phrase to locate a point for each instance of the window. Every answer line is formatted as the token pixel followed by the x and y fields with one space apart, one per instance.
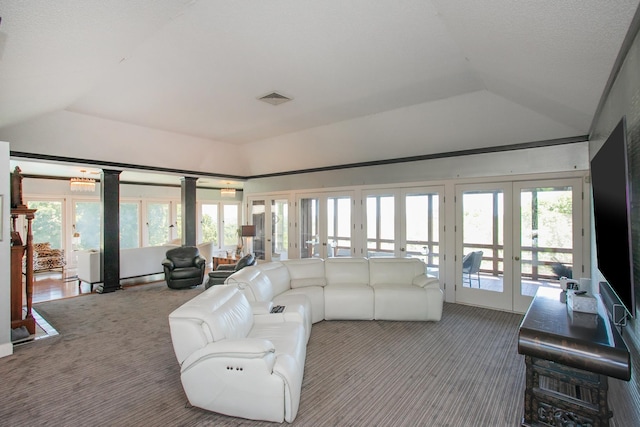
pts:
pixel 47 224
pixel 87 225
pixel 209 223
pixel 129 225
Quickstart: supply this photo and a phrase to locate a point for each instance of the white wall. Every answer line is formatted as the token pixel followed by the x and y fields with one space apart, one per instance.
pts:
pixel 558 158
pixel 6 348
pixel 79 136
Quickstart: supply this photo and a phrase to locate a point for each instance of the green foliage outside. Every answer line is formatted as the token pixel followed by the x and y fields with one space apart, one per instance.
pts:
pixel 209 229
pixel 158 223
pixel 47 224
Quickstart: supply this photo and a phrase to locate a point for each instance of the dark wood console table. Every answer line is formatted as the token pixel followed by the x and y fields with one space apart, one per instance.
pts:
pixel 569 357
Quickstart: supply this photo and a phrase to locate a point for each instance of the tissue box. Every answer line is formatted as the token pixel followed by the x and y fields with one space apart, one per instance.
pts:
pixel 583 320
pixel 583 303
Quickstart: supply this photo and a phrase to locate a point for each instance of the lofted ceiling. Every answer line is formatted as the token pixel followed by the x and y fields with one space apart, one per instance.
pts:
pixel 368 80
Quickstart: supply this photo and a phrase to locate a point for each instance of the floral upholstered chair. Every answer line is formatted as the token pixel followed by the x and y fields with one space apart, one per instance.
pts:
pixel 46 258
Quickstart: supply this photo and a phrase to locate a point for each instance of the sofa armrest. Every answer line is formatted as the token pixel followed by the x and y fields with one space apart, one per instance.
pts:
pixel 167 263
pixel 218 274
pixel 425 281
pixel 226 267
pixel 261 307
pixel 199 261
pixel 250 349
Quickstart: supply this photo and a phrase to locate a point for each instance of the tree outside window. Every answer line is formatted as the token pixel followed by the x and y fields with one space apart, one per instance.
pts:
pixel 47 224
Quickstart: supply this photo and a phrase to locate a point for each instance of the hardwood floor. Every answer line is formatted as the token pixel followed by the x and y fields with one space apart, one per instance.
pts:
pixel 50 286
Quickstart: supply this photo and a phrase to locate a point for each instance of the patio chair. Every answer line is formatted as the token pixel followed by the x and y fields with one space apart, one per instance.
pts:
pixel 471 266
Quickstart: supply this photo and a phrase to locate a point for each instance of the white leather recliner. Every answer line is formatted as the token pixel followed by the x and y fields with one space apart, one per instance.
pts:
pixel 235 362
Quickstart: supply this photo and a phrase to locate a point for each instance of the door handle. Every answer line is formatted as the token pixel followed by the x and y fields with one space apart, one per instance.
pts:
pixel 517 258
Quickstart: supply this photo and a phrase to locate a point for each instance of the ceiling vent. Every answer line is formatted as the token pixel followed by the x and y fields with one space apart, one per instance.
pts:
pixel 275 98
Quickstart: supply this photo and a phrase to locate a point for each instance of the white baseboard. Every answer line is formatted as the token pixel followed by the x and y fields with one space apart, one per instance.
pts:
pixel 6 349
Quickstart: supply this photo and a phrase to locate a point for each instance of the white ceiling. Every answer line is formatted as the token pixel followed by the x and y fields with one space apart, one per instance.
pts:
pixel 369 80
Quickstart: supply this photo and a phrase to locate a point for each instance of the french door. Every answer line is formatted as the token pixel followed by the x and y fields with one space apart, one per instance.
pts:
pixel 524 235
pixel 405 223
pixel 270 216
pixel 326 225
pixel 550 239
pixel 421 226
pixel 483 233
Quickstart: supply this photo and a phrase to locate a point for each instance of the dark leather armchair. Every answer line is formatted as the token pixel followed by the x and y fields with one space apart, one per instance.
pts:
pixel 218 276
pixel 183 267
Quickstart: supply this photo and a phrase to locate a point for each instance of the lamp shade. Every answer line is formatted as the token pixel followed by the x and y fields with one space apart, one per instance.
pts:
pixel 248 231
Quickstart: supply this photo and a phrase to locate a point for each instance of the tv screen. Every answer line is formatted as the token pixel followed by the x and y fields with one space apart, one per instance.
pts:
pixel 612 207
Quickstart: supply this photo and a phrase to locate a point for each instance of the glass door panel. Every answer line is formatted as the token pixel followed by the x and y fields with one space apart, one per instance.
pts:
pixel 230 224
pixel 47 224
pixel 549 237
pixel 175 230
pixel 258 213
pixel 481 236
pixel 209 223
pixel 422 228
pixel 130 225
pixel 158 222
pixel 325 225
pixel 310 228
pixel 279 229
pixel 86 222
pixel 272 237
pixel 339 226
pixel 381 233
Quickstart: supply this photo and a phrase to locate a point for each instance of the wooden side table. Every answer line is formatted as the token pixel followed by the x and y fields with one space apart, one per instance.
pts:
pixel 218 260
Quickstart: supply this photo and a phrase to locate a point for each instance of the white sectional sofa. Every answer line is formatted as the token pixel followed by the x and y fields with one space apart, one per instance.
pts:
pixel 347 288
pixel 239 359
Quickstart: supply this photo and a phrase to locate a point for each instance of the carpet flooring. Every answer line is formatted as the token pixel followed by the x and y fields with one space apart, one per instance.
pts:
pixel 112 364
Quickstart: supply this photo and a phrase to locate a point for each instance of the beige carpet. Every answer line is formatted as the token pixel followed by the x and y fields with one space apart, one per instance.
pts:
pixel 113 365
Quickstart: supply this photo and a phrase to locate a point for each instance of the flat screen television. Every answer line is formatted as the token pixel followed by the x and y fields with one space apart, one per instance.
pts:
pixel 611 186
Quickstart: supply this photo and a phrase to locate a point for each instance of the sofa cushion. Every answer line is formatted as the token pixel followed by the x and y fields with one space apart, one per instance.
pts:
pixel 231 315
pixel 389 271
pixel 278 275
pixel 401 302
pixel 347 270
pixel 198 322
pixel 348 302
pixel 185 273
pixel 253 283
pixel 287 337
pixel 306 272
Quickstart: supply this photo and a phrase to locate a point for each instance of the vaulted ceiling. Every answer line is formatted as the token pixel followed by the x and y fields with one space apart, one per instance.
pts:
pixel 369 80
